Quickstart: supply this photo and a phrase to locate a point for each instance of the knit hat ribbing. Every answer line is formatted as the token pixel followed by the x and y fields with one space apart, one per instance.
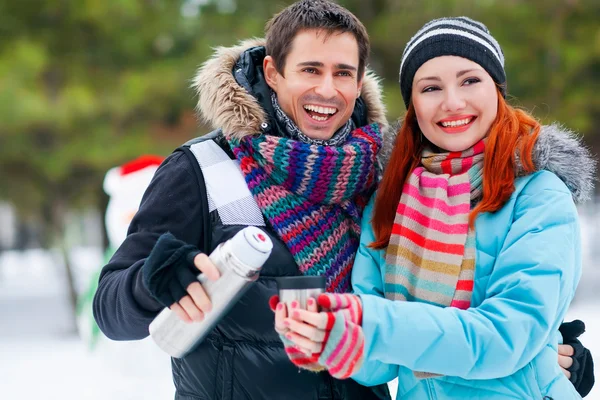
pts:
pixel 460 36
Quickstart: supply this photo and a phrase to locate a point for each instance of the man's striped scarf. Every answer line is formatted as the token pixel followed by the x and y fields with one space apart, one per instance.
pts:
pixel 313 196
pixel 431 254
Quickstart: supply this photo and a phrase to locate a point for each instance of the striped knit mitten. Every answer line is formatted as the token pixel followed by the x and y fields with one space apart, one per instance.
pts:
pixel 344 339
pixel 349 304
pixel 299 358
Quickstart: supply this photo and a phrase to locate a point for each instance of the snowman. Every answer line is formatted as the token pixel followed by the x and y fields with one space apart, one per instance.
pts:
pixel 141 361
pixel 125 185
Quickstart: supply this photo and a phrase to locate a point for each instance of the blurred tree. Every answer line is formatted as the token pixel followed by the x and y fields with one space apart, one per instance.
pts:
pixel 85 85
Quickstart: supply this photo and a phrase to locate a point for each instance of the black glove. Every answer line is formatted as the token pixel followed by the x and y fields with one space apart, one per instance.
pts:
pixel 582 370
pixel 169 269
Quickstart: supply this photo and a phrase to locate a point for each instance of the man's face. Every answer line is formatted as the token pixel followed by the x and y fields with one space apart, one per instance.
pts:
pixel 320 84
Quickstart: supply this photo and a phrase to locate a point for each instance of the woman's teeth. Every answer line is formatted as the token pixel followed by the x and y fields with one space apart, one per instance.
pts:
pixel 453 124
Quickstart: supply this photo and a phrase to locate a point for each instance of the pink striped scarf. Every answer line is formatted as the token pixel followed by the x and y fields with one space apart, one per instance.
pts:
pixel 431 254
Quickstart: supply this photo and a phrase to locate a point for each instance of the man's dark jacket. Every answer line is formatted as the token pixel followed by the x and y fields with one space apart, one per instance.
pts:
pixel 243 358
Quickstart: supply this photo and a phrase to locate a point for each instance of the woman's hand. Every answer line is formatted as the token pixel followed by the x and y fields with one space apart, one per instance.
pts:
pixel 307 329
pixel 333 338
pixel 300 357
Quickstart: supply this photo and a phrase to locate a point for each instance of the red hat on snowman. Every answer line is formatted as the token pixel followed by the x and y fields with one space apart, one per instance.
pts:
pixel 126 185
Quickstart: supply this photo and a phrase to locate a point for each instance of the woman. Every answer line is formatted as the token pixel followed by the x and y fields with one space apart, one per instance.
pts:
pixel 468 258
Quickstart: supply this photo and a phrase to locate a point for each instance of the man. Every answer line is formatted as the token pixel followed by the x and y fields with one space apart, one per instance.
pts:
pixel 309 91
pixel 286 113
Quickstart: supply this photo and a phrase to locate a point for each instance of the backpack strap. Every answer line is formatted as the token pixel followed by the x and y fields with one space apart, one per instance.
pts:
pixel 206 244
pixel 226 188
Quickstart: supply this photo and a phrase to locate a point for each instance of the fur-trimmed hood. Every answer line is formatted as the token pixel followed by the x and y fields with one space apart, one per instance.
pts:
pixel 557 150
pixel 562 152
pixel 233 97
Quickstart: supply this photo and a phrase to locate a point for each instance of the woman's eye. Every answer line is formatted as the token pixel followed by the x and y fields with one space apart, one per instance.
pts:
pixel 471 81
pixel 430 89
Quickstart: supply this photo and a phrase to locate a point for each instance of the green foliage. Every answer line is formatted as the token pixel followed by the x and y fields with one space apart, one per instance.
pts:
pixel 88 84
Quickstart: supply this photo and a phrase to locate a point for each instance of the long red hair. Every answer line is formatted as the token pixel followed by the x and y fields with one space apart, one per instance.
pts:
pixel 512 134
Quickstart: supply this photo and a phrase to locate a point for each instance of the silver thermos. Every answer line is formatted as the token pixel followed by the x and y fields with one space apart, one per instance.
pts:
pixel 239 261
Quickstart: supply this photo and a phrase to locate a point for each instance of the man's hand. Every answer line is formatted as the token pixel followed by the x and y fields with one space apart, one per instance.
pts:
pixel 170 275
pixel 575 360
pixel 565 360
pixel 193 306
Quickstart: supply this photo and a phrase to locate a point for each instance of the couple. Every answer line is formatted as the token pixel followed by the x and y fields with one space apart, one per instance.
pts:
pixel 297 150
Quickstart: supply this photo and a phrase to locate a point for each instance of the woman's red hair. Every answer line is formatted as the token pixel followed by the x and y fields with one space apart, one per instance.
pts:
pixel 512 134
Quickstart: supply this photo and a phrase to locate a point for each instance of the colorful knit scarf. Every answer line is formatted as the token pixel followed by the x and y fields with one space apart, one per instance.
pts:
pixel 431 254
pixel 313 196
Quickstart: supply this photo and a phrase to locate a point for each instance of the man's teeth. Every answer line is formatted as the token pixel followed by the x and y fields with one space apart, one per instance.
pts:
pixel 453 124
pixel 317 118
pixel 320 110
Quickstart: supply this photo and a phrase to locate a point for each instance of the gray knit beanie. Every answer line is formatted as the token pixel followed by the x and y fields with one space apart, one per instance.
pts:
pixel 460 36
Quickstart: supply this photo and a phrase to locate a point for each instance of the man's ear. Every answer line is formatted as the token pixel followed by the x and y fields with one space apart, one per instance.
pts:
pixel 270 72
pixel 360 84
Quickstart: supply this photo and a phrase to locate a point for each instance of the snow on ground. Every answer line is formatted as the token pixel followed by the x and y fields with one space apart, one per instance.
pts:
pixel 39 359
pixel 63 368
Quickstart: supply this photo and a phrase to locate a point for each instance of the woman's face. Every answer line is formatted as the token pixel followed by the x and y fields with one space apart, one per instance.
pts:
pixel 455 101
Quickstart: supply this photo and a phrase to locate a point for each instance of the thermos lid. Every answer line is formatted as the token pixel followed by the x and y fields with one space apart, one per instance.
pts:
pixel 301 282
pixel 252 246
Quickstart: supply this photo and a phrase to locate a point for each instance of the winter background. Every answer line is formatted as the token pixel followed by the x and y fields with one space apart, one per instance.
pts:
pixel 40 359
pixel 88 85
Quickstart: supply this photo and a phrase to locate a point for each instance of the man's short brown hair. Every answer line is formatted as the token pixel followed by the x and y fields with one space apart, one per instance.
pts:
pixel 313 14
